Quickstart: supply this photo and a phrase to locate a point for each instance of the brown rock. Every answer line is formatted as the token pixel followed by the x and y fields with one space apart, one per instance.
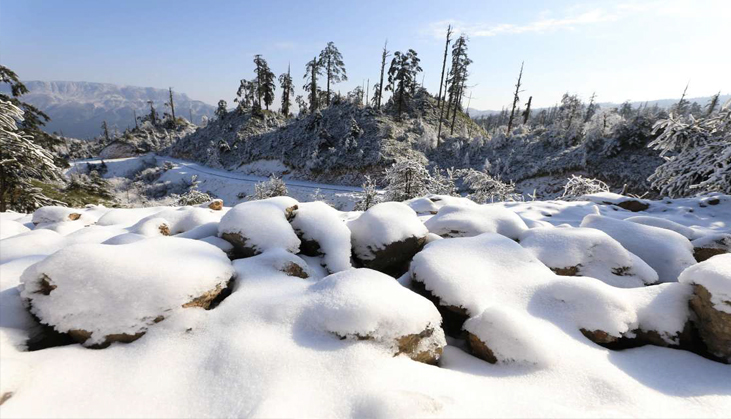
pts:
pixel 164 229
pixel 293 269
pixel 714 326
pixel 241 248
pixel 453 317
pixel 410 345
pixel 600 337
pixel 216 204
pixel 5 397
pixel 480 349
pixel 569 271
pixel 74 216
pixel 211 298
pixel 394 259
pixel 634 206
pixel 704 253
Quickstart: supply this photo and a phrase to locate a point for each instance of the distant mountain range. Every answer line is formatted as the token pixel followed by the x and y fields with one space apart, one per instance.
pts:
pixel 663 103
pixel 78 108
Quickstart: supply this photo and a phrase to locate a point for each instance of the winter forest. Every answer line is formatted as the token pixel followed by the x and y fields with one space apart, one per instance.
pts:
pixel 346 235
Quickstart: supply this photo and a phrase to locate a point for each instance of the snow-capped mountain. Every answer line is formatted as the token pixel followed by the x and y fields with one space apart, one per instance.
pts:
pixel 78 108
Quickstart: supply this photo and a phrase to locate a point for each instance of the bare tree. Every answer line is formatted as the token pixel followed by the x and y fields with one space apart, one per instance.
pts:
pixel 516 98
pixel 526 112
pixel 385 54
pixel 172 106
pixel 444 65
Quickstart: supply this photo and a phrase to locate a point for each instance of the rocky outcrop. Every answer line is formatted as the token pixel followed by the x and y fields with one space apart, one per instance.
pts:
pixel 706 247
pixel 714 325
pixel 394 258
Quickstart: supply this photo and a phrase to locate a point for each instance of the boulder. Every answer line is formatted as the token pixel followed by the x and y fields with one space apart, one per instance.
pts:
pixel 711 245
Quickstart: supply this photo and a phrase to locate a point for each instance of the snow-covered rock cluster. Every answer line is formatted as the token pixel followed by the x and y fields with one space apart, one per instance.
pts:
pixel 282 308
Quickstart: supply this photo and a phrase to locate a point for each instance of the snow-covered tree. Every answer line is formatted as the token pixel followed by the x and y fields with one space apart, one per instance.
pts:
pixel 317 195
pixel 406 179
pixel 578 186
pixel 331 61
pixel 369 196
pixel 697 153
pixel 21 161
pixel 285 81
pixel 221 110
pixel 312 69
pixel 486 188
pixel 264 82
pixel 442 182
pixel 268 189
pixel 402 78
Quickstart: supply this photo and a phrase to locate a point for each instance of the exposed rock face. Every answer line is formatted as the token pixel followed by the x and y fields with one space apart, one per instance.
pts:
pixel 714 326
pixel 634 206
pixel 453 317
pixel 480 349
pixel 293 269
pixel 216 204
pixel 395 257
pixel 706 247
pixel 569 271
pixel 421 347
pixel 241 248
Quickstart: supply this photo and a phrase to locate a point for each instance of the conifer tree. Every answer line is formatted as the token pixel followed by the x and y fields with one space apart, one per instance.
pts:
pixel 312 70
pixel 105 132
pixel 264 82
pixel 526 112
pixel 21 161
pixel 402 78
pixel 406 179
pixel 221 110
pixel 712 104
pixel 285 81
pixel 332 63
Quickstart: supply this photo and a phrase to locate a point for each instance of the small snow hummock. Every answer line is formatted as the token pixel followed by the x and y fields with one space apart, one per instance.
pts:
pixel 178 220
pixel 321 226
pixel 9 228
pixel 588 252
pixel 260 225
pixel 381 225
pixel 714 275
pixel 363 303
pixel 468 221
pixel 123 289
pixel 667 252
pixel 688 232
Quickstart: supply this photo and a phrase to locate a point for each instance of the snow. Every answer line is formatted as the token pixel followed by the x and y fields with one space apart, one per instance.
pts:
pixel 593 252
pixel 714 241
pixel 9 228
pixel 688 232
pixel 381 225
pixel 319 222
pixel 364 302
pixel 107 290
pixel 263 224
pixel 178 220
pixel 273 348
pixel 467 221
pixel 667 252
pixel 714 275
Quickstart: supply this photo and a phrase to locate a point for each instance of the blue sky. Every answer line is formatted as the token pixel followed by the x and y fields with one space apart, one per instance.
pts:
pixel 623 50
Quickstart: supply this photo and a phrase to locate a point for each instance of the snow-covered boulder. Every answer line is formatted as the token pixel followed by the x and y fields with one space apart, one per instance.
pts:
pixel 468 221
pixel 53 214
pixel 667 252
pixel 621 201
pixel 587 252
pixel 711 245
pixel 711 303
pixel 387 236
pixel 101 294
pixel 687 232
pixel 322 232
pixel 431 204
pixel 175 221
pixel 9 228
pixel 461 275
pixel 256 226
pixel 363 304
pixel 31 243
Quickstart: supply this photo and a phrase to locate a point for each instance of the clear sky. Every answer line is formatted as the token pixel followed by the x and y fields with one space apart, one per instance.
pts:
pixel 623 50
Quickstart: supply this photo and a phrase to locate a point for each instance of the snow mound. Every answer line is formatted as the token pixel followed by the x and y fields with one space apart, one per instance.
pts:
pixel 48 215
pixel 125 238
pixel 9 228
pixel 510 335
pixel 256 226
pixel 587 252
pixel 98 291
pixel 662 310
pixel 715 276
pixel 33 243
pixel 468 221
pixel 383 224
pixel 363 303
pixel 177 220
pixel 667 252
pixel 625 202
pixel 688 232
pixel 322 231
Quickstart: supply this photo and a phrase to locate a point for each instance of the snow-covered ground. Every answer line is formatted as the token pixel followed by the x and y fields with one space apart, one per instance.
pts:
pixel 232 187
pixel 305 332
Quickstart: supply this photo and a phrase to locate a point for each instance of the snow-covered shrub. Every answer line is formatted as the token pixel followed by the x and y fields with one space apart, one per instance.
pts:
pixel 268 189
pixel 442 182
pixel 700 154
pixel 369 196
pixel 317 195
pixel 486 188
pixel 578 186
pixel 406 179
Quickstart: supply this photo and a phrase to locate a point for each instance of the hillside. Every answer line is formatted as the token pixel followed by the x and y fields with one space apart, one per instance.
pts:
pixel 340 143
pixel 78 108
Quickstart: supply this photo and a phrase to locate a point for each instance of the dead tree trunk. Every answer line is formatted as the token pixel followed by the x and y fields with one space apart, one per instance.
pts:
pixel 515 99
pixel 526 113
pixel 384 55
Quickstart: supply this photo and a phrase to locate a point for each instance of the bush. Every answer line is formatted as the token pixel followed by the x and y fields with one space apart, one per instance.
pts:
pixel 578 186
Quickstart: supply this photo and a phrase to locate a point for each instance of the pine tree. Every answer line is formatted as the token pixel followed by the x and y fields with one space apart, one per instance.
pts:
pixel 712 104
pixel 402 78
pixel 264 82
pixel 105 132
pixel 369 196
pixel 406 179
pixel 312 70
pixel 153 113
pixel 221 110
pixel 526 112
pixel 332 62
pixel 21 161
pixel 285 81
pixel 591 109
